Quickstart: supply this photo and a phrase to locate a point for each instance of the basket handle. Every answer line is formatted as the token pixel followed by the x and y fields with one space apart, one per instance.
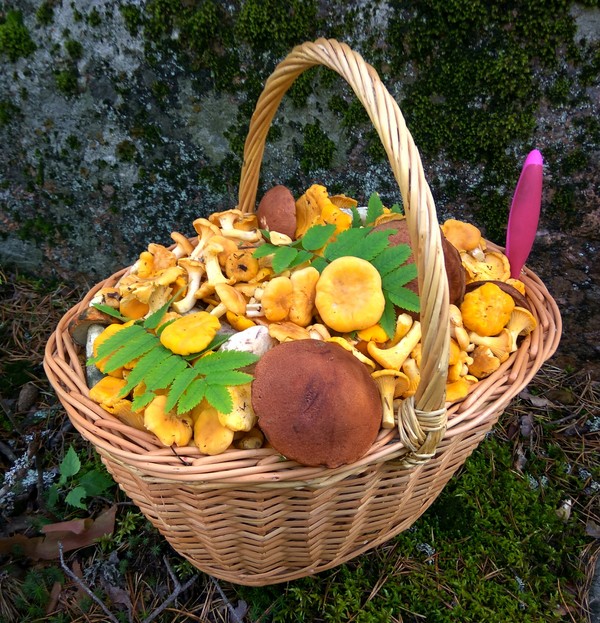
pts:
pixel 422 420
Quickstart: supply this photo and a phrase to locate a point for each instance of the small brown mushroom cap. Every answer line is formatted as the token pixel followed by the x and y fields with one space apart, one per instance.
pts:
pixel 277 211
pixel 316 403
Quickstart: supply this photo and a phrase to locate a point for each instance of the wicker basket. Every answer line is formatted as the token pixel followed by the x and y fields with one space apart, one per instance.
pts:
pixel 251 517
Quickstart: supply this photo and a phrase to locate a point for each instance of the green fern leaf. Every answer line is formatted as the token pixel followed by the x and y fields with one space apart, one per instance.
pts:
pixel 388 319
pixel 317 236
pixel 391 258
pixel 356 218
pixel 138 345
pixel 179 386
pixel 264 249
pixel 374 208
pixel 224 361
pixel 219 397
pixel 110 311
pixel 192 396
pixel 165 373
pixel 404 298
pixel 144 365
pixel 143 400
pixel 301 257
pixel 229 378
pixel 153 320
pixel 283 257
pixel 399 277
pixel 115 341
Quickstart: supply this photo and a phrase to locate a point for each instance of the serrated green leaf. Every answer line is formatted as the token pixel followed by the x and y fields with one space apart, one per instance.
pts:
pixel 345 243
pixel 217 341
pixel 388 319
pixel 192 396
pixel 139 402
pixel 404 298
pixel 266 234
pixel 110 311
pixel 150 360
pixel 95 482
pixel 397 209
pixel 137 346
pixel 75 497
pixel 391 258
pixel 374 208
pixel 317 236
pixel 264 249
pixel 229 378
pixel 165 373
pixel 179 386
pixel 69 466
pixel 399 277
pixel 356 218
pixel 319 263
pixel 301 258
pixel 219 397
pixel 282 258
pixel 224 361
pixel 153 320
pixel 163 326
pixel 116 340
pixel 363 243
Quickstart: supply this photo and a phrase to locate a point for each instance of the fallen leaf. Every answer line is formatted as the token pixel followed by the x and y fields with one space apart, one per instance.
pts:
pixel 72 535
pixel 536 401
pixel 592 529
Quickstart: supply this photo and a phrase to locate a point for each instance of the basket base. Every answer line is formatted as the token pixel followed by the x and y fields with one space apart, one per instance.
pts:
pixel 267 535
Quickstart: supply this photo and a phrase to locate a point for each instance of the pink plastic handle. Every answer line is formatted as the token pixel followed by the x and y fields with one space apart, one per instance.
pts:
pixel 524 213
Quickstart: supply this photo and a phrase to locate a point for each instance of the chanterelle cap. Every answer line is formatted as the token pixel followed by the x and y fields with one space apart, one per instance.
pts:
pixel 316 403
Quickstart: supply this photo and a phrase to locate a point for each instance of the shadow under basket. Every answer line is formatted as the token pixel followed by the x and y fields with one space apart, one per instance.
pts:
pixel 251 516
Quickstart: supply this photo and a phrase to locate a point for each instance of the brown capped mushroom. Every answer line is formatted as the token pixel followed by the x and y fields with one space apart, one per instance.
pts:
pixel 455 271
pixel 277 211
pixel 316 403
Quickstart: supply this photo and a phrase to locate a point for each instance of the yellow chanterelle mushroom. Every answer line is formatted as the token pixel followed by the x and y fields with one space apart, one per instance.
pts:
pixel 349 295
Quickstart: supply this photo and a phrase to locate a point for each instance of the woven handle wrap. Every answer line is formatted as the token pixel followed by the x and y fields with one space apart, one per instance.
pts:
pixel 422 422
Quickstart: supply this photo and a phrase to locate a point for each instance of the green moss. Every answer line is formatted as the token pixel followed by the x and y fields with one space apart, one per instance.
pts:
pixel 8 112
pixel 491 548
pixel 66 81
pixel 15 40
pixel 126 151
pixel 45 14
pixel 74 49
pixel 275 27
pixel 133 18
pixel 94 18
pixel 317 150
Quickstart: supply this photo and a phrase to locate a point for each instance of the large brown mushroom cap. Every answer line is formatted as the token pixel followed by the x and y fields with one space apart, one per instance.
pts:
pixel 452 261
pixel 316 403
pixel 277 211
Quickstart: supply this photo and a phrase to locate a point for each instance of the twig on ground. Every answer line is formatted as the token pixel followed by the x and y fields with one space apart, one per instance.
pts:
pixel 179 588
pixel 83 586
pixel 232 610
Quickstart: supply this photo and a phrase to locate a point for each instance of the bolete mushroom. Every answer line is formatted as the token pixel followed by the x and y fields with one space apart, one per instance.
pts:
pixel 277 211
pixel 316 403
pixel 455 271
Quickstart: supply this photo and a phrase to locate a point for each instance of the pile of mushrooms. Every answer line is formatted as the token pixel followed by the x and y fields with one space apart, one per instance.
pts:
pixel 328 378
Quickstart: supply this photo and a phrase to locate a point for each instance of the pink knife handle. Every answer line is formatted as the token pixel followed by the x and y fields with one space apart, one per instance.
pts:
pixel 524 213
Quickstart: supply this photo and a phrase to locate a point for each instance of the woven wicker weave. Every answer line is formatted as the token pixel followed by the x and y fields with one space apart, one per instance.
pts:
pixel 251 517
